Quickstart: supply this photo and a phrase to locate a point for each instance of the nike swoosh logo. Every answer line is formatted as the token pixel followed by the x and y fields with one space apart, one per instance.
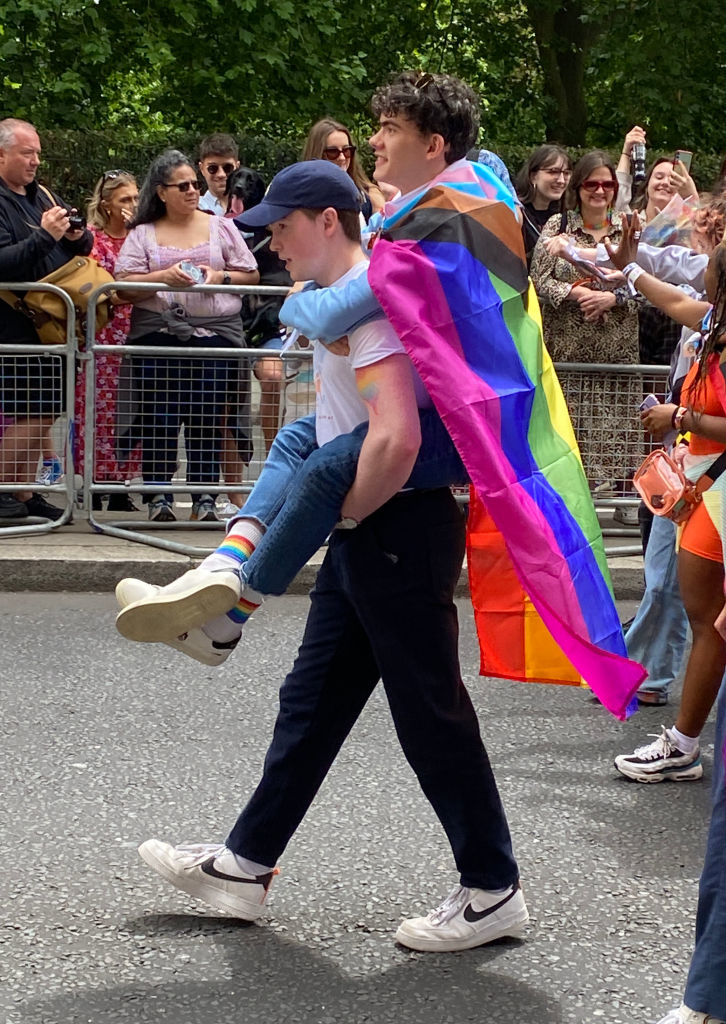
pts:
pixel 209 869
pixel 472 916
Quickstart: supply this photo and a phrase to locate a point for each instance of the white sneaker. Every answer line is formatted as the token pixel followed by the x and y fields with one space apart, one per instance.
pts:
pixel 193 599
pixel 659 761
pixel 467 918
pixel 686 1016
pixel 209 872
pixel 194 643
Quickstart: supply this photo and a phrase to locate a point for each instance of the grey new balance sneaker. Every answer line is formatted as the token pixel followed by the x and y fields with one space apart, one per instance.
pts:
pixel 467 918
pixel 209 872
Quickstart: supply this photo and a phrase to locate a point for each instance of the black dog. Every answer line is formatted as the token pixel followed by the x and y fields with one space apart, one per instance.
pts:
pixel 246 185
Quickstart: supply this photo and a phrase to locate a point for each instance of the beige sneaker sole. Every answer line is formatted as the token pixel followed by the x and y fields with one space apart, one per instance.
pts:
pixel 163 616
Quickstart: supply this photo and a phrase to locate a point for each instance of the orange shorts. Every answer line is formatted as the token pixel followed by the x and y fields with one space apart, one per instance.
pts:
pixel 701 537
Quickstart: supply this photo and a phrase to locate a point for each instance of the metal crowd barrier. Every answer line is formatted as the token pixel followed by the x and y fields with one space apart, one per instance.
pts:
pixel 603 400
pixel 158 380
pixel 60 360
pixel 604 403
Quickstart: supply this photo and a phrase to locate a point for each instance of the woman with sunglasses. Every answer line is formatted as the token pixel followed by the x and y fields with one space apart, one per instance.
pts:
pixel 330 140
pixel 586 323
pixel 110 211
pixel 170 234
pixel 541 186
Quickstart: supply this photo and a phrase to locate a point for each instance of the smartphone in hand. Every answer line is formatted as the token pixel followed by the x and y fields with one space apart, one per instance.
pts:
pixel 648 402
pixel 684 156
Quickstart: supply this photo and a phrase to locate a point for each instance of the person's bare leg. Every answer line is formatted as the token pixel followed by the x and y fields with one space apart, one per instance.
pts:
pixel 233 467
pixel 701 581
pixel 269 374
pixel 20 450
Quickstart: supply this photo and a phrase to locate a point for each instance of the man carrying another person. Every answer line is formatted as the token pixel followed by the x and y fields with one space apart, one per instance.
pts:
pixel 375 598
pixel 35 239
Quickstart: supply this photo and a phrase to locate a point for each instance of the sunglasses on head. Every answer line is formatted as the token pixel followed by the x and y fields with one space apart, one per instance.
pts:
pixel 333 152
pixel 593 186
pixel 227 168
pixel 112 175
pixel 183 186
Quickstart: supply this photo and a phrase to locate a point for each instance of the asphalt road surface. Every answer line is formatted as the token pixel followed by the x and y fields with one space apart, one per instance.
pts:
pixel 106 743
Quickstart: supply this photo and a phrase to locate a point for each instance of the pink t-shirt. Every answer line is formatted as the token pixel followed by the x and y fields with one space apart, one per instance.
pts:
pixel 225 250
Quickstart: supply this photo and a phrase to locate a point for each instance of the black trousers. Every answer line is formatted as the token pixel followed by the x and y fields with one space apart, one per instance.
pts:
pixel 382 608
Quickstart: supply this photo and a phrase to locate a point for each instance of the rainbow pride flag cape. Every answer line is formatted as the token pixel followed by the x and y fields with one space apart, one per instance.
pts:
pixel 450 273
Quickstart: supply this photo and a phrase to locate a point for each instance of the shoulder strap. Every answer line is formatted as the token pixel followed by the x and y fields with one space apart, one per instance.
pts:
pixel 563 222
pixel 713 472
pixel 53 200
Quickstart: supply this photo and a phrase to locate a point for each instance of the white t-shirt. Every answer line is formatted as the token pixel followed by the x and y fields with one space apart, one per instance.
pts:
pixel 339 407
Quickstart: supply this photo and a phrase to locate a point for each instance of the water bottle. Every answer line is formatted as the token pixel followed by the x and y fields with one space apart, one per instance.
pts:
pixel 637 155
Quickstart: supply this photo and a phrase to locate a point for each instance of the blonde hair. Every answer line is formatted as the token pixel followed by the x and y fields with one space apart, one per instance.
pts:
pixel 104 189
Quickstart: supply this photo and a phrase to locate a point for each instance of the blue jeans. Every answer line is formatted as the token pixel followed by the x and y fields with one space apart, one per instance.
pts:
pixel 382 608
pixel 300 492
pixel 657 637
pixel 706 985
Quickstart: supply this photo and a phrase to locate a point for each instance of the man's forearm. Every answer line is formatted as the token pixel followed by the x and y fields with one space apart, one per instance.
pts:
pixel 384 466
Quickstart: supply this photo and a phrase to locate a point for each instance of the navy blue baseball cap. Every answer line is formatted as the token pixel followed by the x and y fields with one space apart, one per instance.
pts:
pixel 308 185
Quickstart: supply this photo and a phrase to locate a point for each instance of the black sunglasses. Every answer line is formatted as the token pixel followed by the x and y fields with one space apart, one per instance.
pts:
pixel 111 175
pixel 333 152
pixel 227 168
pixel 183 186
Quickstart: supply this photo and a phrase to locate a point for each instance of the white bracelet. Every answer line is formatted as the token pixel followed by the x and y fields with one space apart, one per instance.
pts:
pixel 632 272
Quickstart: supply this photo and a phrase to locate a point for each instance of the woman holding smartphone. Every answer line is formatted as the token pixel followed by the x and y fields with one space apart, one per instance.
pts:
pixel 172 242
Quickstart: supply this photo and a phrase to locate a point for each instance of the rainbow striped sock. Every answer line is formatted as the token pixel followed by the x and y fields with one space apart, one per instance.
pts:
pixel 244 608
pixel 229 626
pixel 236 548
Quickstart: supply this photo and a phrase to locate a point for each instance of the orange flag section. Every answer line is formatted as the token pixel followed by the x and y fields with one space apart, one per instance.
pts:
pixel 514 641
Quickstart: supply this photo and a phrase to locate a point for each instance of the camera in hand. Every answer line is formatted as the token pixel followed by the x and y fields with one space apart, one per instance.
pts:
pixel 638 155
pixel 76 220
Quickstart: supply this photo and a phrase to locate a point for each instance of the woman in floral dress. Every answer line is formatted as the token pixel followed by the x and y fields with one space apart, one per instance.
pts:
pixel 112 206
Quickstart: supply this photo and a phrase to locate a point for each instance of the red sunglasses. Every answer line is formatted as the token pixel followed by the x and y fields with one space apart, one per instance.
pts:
pixel 593 186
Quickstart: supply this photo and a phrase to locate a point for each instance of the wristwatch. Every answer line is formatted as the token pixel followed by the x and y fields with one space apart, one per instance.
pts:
pixel 677 417
pixel 226 278
pixel 346 523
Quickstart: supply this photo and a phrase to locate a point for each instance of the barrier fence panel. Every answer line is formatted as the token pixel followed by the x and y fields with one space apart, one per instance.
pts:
pixel 188 427
pixel 183 426
pixel 36 392
pixel 604 403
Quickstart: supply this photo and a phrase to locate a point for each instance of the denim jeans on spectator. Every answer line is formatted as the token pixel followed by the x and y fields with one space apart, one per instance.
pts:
pixel 706 985
pixel 174 391
pixel 302 487
pixel 657 637
pixel 382 608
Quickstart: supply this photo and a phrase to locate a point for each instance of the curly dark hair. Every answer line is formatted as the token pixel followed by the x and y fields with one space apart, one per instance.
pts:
pixel 437 104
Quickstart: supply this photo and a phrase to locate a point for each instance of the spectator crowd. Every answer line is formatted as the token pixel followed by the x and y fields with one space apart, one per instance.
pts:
pixel 628 263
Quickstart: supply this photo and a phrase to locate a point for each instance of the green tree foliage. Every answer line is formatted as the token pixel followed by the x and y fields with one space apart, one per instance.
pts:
pixel 577 71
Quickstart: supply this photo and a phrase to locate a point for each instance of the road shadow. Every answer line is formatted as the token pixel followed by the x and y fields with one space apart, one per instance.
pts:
pixel 263 977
